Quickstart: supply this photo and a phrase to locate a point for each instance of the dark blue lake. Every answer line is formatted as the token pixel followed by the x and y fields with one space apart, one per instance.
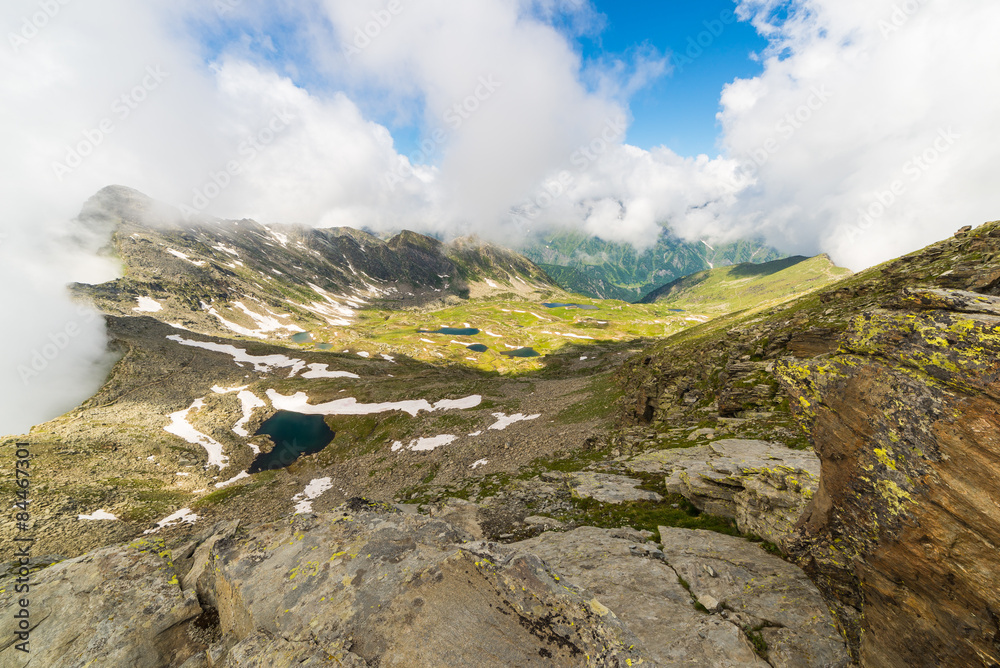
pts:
pixel 585 307
pixel 294 435
pixel 478 348
pixel 522 352
pixel 451 331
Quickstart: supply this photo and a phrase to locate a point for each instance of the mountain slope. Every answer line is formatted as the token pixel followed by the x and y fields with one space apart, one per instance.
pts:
pixel 736 287
pixel 270 282
pixel 597 268
pixel 891 376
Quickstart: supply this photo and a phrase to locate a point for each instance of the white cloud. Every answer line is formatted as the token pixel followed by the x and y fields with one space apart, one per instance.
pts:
pixel 909 103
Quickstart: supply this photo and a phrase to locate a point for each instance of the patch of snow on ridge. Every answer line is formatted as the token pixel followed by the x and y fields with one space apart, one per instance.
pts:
pixel 282 239
pixel 226 249
pixel 262 363
pixel 183 515
pixel 148 305
pixel 265 323
pixel 504 421
pixel 312 492
pixel 268 323
pixel 320 371
pixel 227 390
pixel 459 404
pixel 179 426
pixel 182 256
pixel 249 402
pixel 333 312
pixel 425 444
pixel 299 403
pixel 97 516
pixel 481 462
pixel 572 336
pixel 232 480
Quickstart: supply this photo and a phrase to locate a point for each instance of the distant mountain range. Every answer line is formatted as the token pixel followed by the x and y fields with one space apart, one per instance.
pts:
pixel 605 270
pixel 227 276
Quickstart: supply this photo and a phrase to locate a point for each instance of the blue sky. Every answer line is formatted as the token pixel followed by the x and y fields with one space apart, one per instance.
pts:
pixel 679 110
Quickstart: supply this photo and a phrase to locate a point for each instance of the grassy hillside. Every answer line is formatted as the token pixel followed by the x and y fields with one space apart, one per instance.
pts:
pixel 735 288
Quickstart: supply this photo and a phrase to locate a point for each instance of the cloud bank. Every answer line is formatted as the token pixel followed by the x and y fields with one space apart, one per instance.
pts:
pixel 869 133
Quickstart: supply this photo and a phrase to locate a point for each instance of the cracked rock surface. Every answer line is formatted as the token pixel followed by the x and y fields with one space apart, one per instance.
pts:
pixel 368 585
pixel 654 592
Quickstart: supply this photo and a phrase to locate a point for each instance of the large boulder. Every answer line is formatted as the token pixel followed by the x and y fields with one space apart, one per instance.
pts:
pixel 764 486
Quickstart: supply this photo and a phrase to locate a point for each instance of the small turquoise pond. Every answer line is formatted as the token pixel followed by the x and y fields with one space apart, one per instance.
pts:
pixel 294 435
pixel 451 331
pixel 585 307
pixel 325 346
pixel 302 337
pixel 478 348
pixel 522 352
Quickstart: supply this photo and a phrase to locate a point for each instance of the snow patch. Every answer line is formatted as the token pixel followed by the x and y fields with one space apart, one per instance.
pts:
pixel 320 371
pixel 226 249
pixel 178 254
pixel 183 515
pixel 299 403
pixel 504 421
pixel 571 336
pixel 232 480
pixel 249 402
pixel 262 363
pixel 481 462
pixel 96 517
pixel 425 444
pixel 227 390
pixel 179 426
pixel 312 492
pixel 148 305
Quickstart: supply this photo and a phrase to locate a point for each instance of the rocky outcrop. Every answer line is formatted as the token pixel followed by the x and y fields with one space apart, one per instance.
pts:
pixel 763 486
pixel 368 585
pixel 608 488
pixel 374 585
pixel 118 606
pixel 756 610
pixel 904 528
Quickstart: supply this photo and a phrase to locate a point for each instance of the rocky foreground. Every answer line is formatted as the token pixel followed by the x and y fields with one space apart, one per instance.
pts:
pixel 368 585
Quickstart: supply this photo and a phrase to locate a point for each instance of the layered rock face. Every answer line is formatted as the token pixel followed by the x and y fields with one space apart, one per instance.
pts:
pixel 904 528
pixel 366 585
